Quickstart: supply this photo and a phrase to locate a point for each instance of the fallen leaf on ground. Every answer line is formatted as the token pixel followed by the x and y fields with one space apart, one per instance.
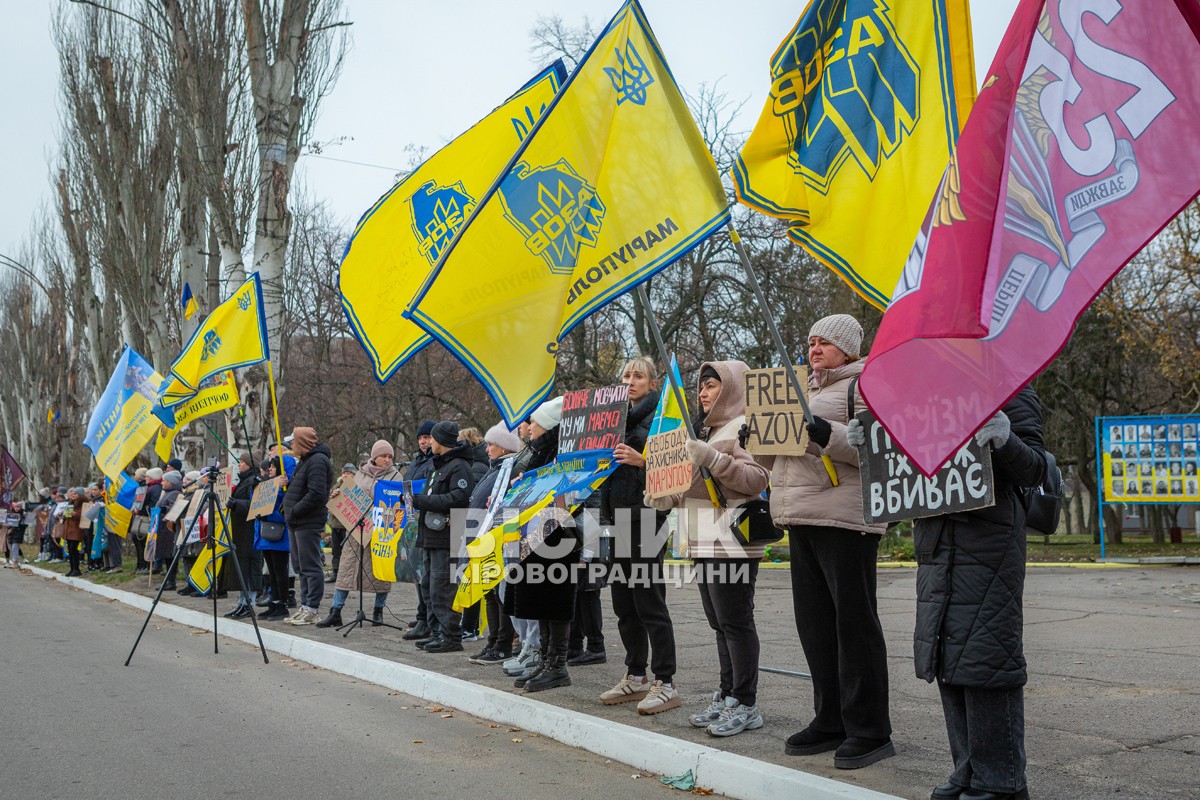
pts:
pixel 516 741
pixel 436 710
pixel 418 741
pixel 447 716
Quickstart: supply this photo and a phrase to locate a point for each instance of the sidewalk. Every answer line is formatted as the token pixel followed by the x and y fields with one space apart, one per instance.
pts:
pixel 1113 705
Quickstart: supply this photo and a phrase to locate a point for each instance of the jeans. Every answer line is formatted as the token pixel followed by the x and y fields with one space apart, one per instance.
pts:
pixel 530 631
pixel 986 728
pixel 112 554
pixel 729 607
pixel 340 595
pixel 423 616
pixel 644 625
pixel 307 545
pixel 833 596
pixel 439 594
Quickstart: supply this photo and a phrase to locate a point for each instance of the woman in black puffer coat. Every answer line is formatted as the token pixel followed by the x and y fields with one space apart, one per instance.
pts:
pixel 970 578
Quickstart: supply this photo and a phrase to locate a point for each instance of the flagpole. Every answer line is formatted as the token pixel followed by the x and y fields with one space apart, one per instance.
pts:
pixel 241 410
pixel 275 409
pixel 714 491
pixel 787 360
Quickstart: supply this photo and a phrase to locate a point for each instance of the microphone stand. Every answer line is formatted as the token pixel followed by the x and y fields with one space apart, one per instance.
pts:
pixel 359 617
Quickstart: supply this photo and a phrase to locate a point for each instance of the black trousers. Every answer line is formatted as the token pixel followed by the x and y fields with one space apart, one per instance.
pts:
pixel 139 549
pixel 277 574
pixel 500 626
pixel 644 622
pixel 728 600
pixel 588 622
pixel 337 539
pixel 837 617
pixel 986 728
pixel 73 555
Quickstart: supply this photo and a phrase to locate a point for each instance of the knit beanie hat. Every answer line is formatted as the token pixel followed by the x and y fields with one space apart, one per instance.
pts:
pixel 382 448
pixel 445 433
pixel 303 440
pixel 348 467
pixel 173 477
pixel 841 330
pixel 175 464
pixel 44 492
pixel 503 438
pixel 140 474
pixel 192 476
pixel 548 414
pixel 154 474
pixel 426 428
pixel 77 490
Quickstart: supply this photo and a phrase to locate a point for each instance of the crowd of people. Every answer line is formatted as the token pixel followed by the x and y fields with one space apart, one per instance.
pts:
pixel 970 574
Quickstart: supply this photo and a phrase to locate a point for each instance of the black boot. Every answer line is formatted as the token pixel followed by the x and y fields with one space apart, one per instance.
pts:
pixel 544 652
pixel 377 617
pixel 554 667
pixel 291 598
pixel 334 620
pixel 275 612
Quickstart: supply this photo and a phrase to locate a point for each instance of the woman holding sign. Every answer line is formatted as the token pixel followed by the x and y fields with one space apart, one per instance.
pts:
pixel 833 554
pixel 353 569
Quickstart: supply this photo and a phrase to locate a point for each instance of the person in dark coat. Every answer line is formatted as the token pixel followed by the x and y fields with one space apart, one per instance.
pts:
pixel 968 637
pixel 418 470
pixel 305 512
pixel 249 559
pixel 448 488
pixel 480 466
pixel 164 548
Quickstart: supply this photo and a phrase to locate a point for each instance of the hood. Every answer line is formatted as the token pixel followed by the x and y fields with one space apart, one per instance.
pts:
pixel 319 447
pixel 732 402
pixel 479 453
pixel 823 377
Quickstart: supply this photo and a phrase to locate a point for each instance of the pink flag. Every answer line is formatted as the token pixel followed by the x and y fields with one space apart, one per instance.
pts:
pixel 1083 145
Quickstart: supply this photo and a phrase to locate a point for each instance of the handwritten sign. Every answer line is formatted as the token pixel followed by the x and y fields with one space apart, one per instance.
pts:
pixel 668 468
pixel 262 502
pixel 593 419
pixel 893 489
pixel 774 415
pixel 352 502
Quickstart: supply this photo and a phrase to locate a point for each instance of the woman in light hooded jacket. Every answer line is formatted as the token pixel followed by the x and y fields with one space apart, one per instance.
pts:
pixel 727 569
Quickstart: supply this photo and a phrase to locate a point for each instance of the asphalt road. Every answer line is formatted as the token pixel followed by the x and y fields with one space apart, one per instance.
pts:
pixel 181 722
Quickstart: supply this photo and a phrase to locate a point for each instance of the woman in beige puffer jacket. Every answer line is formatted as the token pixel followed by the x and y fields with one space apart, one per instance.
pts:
pixel 833 555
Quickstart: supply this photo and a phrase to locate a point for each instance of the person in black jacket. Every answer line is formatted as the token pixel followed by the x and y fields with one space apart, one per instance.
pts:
pixel 968 637
pixel 448 488
pixel 305 513
pixel 418 470
pixel 249 559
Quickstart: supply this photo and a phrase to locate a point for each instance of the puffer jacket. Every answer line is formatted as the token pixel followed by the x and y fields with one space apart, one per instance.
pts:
pixel 801 492
pixel 308 490
pixel 971 570
pixel 627 485
pixel 449 487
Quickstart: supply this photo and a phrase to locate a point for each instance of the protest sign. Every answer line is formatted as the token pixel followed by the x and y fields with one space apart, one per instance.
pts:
pixel 86 517
pixel 224 486
pixel 350 504
pixel 262 502
pixel 593 419
pixel 181 504
pixel 566 483
pixel 774 414
pixel 668 468
pixel 893 489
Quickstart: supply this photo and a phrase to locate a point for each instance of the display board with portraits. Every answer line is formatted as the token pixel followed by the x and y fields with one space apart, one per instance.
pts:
pixel 1150 459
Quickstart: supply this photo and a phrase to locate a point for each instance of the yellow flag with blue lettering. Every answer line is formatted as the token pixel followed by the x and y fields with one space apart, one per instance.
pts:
pixel 215 394
pixel 400 238
pixel 233 335
pixel 208 562
pixel 614 184
pixel 867 100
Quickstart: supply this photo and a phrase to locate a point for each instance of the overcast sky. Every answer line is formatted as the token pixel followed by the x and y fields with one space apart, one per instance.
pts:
pixel 418 73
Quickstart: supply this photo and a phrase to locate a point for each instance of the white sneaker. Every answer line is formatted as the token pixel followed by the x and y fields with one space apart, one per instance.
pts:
pixel 660 698
pixel 736 718
pixel 304 617
pixel 626 691
pixel 522 662
pixel 711 714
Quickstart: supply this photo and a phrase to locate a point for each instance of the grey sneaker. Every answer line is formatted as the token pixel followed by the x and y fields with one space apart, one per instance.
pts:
pixel 515 661
pixel 736 718
pixel 531 666
pixel 521 662
pixel 711 714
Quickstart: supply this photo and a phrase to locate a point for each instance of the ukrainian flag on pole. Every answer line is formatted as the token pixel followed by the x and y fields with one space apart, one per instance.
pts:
pixel 867 100
pixel 669 415
pixel 400 238
pixel 233 335
pixel 187 302
pixel 614 184
pixel 118 504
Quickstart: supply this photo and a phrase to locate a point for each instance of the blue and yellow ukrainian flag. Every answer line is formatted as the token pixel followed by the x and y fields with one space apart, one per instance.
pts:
pixel 51 415
pixel 669 415
pixel 233 335
pixel 400 238
pixel 127 416
pixel 118 504
pixel 867 100
pixel 614 184
pixel 187 302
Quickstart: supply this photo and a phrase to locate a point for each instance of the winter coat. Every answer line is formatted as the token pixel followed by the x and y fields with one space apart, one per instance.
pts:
pixel 241 533
pixel 283 545
pixel 449 487
pixel 164 546
pixel 801 492
pixel 420 467
pixel 352 561
pixel 625 488
pixel 480 463
pixel 482 493
pixel 70 530
pixel 738 474
pixel 308 490
pixel 971 570
pixel 154 490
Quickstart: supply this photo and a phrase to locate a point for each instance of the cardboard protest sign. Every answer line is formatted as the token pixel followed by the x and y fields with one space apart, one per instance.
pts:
pixel 262 502
pixel 774 415
pixel 893 489
pixel 593 419
pixel 181 504
pixel 86 517
pixel 668 468
pixel 350 504
pixel 224 486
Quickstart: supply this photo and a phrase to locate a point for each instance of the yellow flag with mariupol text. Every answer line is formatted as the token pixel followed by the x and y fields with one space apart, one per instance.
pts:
pixel 400 238
pixel 614 184
pixel 208 562
pixel 216 393
pixel 233 335
pixel 867 100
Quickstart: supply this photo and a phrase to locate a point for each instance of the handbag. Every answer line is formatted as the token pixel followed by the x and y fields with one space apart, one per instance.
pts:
pixel 1043 503
pixel 271 531
pixel 753 525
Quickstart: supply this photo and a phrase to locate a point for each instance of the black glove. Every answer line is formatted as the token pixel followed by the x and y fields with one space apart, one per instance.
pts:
pixel 229 503
pixel 743 435
pixel 819 431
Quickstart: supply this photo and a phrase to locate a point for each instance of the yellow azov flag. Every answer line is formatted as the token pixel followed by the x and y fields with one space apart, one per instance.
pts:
pixel 485 557
pixel 614 184
pixel 216 394
pixel 867 100
pixel 208 564
pixel 233 335
pixel 400 238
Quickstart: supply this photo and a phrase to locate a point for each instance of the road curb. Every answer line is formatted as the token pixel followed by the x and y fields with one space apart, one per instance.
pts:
pixel 729 774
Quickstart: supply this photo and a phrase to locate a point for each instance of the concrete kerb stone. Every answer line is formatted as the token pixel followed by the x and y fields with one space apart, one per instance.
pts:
pixel 729 774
